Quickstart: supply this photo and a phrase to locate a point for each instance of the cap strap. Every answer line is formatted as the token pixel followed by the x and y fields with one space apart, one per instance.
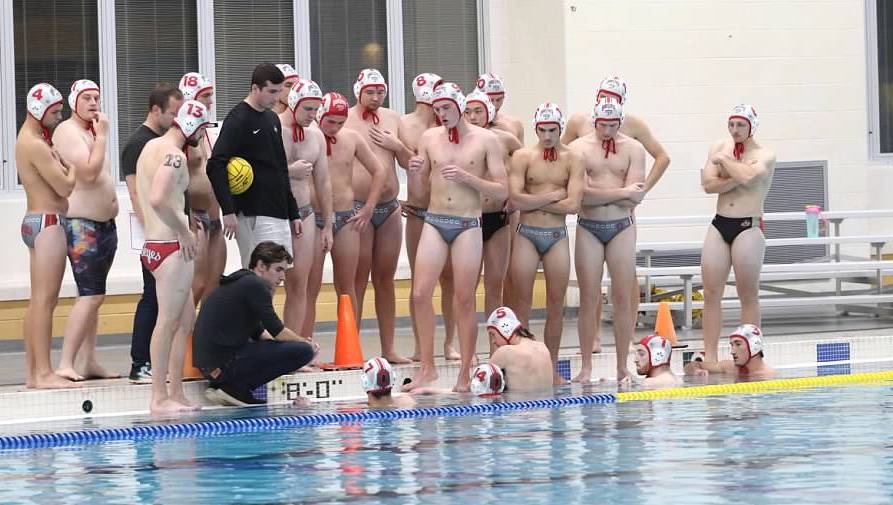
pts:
pixel 550 154
pixel 609 146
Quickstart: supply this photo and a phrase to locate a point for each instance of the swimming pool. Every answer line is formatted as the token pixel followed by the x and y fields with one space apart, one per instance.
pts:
pixel 827 445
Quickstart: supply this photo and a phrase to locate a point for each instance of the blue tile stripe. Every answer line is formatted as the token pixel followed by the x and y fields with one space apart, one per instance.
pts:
pixel 838 351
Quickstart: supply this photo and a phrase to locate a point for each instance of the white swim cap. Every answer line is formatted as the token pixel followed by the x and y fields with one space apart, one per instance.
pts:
pixel 747 113
pixel 504 321
pixel 614 87
pixel 304 89
pixel 288 71
pixel 548 113
pixel 607 111
pixel 194 84
pixel 452 92
pixel 41 97
pixel 491 84
pixel 659 350
pixel 423 87
pixel 333 104
pixel 368 77
pixel 482 98
pixel 378 376
pixel 191 116
pixel 80 86
pixel 487 379
pixel 752 336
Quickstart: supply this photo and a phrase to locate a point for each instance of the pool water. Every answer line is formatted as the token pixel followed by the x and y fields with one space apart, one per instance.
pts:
pixel 830 445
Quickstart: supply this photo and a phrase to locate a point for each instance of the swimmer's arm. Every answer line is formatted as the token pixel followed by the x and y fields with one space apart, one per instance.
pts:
pixel 322 182
pixel 655 149
pixel 571 131
pixel 496 186
pixel 512 144
pixel 520 127
pixel 52 169
pixel 695 367
pixel 500 356
pixel 520 199
pixel 746 173
pixel 373 166
pixel 163 187
pixel 575 184
pixel 87 162
pixel 402 153
pixel 711 181
pixel 594 196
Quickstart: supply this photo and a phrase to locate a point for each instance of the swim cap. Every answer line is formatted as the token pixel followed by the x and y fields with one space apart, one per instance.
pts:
pixel 77 88
pixel 41 97
pixel 368 77
pixel 614 87
pixel 423 87
pixel 752 336
pixel 491 84
pixel 450 91
pixel 548 113
pixel 659 350
pixel 504 321
pixel 607 111
pixel 333 104
pixel 288 71
pixel 194 84
pixel 304 89
pixel 747 113
pixel 481 97
pixel 378 376
pixel 191 116
pixel 487 379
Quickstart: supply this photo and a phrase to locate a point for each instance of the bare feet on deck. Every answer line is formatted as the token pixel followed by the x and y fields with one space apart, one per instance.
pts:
pixel 584 377
pixel 52 381
pixel 558 380
pixel 94 371
pixel 168 407
pixel 463 385
pixel 69 374
pixel 182 400
pixel 395 359
pixel 450 354
pixel 422 378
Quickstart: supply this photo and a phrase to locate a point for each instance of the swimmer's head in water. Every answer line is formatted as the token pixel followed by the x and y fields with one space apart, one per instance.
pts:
pixel 304 100
pixel 84 99
pixel 332 113
pixel 743 122
pixel 607 117
pixel 196 87
pixel 44 103
pixel 487 379
pixel 423 87
pixel 291 76
pixel 479 110
pixel 746 342
pixel 651 352
pixel 370 88
pixel 449 103
pixel 494 87
pixel 378 376
pixel 192 119
pixel 613 89
pixel 548 121
pixel 502 325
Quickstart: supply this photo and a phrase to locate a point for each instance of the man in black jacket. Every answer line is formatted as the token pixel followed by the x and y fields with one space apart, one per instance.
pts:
pixel 267 209
pixel 239 343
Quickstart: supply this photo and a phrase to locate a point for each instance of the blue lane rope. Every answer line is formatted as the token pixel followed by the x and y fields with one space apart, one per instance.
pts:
pixel 43 440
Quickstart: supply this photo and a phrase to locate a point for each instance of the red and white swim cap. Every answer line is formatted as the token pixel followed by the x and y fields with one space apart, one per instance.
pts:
pixel 605 110
pixel 41 97
pixel 752 336
pixel 368 77
pixel 748 113
pixel 549 113
pixel 482 98
pixel 487 379
pixel 333 104
pixel 194 84
pixel 614 87
pixel 423 87
pixel 288 71
pixel 378 376
pixel 659 350
pixel 304 89
pixel 452 92
pixel 191 116
pixel 80 86
pixel 491 84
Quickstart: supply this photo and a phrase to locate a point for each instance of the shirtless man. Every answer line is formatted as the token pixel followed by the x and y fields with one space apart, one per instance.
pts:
pixel 653 361
pixel 526 362
pixel 606 231
pixel 546 184
pixel 746 344
pixel 418 191
pixel 291 77
pixel 210 262
pixel 48 180
pixel 379 126
pixel 480 111
pixel 161 178
pixel 90 225
pixel 378 382
pixel 344 147
pixel 739 171
pixel 614 88
pixel 308 173
pixel 464 163
pixel 494 87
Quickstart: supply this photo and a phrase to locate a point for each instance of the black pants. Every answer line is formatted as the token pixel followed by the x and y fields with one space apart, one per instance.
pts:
pixel 144 320
pixel 260 362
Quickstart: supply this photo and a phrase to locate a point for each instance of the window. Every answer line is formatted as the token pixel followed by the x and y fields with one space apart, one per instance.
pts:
pixel 246 34
pixel 884 26
pixel 440 37
pixel 55 42
pixel 347 36
pixel 156 41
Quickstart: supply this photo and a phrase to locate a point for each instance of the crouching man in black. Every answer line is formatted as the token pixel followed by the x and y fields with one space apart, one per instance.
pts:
pixel 239 343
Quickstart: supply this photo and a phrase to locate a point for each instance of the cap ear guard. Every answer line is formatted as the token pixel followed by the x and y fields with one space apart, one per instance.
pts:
pixel 605 110
pixel 191 116
pixel 491 84
pixel 748 113
pixel 484 99
pixel 368 77
pixel 41 98
pixel 549 113
pixel 752 337
pixel 78 87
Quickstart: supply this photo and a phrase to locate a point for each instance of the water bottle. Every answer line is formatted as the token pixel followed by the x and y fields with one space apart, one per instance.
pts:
pixel 813 213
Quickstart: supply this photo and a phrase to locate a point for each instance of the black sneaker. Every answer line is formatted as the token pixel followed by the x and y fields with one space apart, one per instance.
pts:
pixel 228 394
pixel 141 373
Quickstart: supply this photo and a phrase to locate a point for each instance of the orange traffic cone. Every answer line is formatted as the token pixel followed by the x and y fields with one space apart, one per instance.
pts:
pixel 348 353
pixel 189 370
pixel 664 325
